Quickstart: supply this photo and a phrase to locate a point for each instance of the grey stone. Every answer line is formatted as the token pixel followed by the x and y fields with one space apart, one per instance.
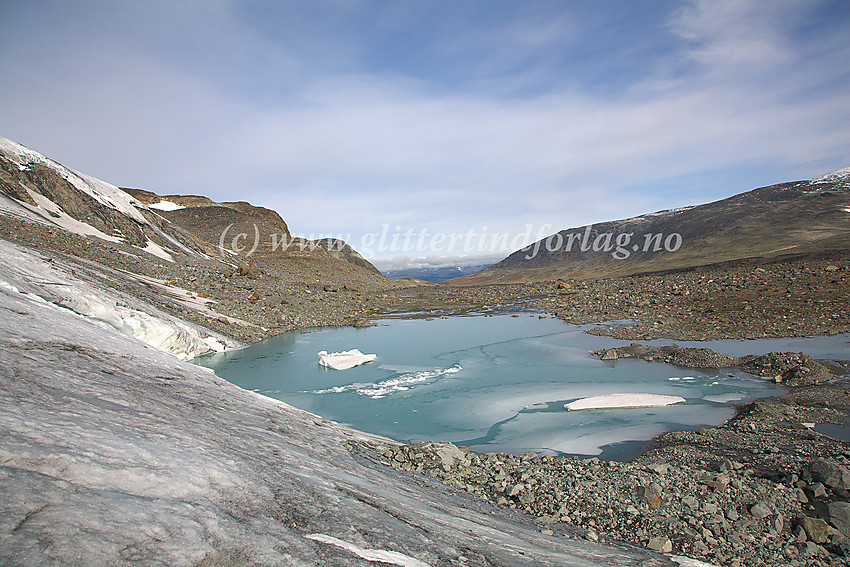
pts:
pixel 811 549
pixel 662 544
pixel 838 514
pixel 816 490
pixel 610 354
pixel 760 510
pixel 831 473
pixel 660 468
pixel 650 495
pixel 716 481
pixel 450 455
pixel 817 530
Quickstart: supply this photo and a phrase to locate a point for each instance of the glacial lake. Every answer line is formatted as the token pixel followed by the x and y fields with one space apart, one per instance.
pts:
pixel 498 383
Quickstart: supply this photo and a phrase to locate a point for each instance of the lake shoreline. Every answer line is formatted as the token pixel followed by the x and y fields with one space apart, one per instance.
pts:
pixel 750 475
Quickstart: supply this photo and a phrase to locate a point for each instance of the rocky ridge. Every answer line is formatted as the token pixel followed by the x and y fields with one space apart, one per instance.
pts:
pixel 793 369
pixel 803 218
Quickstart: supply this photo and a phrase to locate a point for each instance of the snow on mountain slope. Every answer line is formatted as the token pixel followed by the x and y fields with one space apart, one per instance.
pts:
pixel 39 189
pixel 103 192
pixel 837 175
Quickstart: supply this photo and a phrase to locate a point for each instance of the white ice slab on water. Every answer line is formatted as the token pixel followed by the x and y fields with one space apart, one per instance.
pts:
pixel 611 401
pixel 345 359
pixel 725 398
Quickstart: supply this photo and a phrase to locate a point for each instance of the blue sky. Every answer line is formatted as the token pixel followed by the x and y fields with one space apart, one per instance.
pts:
pixel 484 117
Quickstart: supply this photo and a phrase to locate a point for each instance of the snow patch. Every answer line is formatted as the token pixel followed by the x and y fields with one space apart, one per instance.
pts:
pixel 837 175
pixel 165 205
pixel 345 359
pixel 153 248
pixel 375 555
pixel 103 192
pixel 609 401
pixel 54 213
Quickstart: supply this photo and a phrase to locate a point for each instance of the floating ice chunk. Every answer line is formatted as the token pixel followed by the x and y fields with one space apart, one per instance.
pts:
pixel 345 359
pixel 624 401
pixel 724 398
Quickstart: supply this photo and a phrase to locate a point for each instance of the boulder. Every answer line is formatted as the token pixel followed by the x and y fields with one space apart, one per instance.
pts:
pixel 716 481
pixel 816 529
pixel 760 510
pixel 661 544
pixel 660 468
pixel 838 514
pixel 610 354
pixel 650 495
pixel 249 271
pixel 450 455
pixel 831 474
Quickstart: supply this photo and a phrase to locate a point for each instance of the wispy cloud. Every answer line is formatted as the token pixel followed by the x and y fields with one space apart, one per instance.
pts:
pixel 346 117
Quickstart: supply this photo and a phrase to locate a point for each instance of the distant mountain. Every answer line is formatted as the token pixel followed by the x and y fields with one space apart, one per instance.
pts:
pixel 435 275
pixel 154 229
pixel 798 218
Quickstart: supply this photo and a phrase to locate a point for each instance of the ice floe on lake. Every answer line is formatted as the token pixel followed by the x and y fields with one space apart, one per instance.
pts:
pixel 611 401
pixel 400 383
pixel 345 359
pixel 725 398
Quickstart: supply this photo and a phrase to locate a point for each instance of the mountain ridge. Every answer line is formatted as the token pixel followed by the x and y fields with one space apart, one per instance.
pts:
pixel 796 218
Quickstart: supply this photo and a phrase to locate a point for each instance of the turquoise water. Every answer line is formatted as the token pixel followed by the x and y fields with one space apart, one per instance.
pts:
pixel 494 383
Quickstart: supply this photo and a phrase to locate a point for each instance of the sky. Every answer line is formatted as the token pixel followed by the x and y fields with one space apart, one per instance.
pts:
pixel 420 131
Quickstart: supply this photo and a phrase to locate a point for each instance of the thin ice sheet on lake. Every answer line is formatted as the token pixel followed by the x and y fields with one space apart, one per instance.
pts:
pixel 609 401
pixel 345 359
